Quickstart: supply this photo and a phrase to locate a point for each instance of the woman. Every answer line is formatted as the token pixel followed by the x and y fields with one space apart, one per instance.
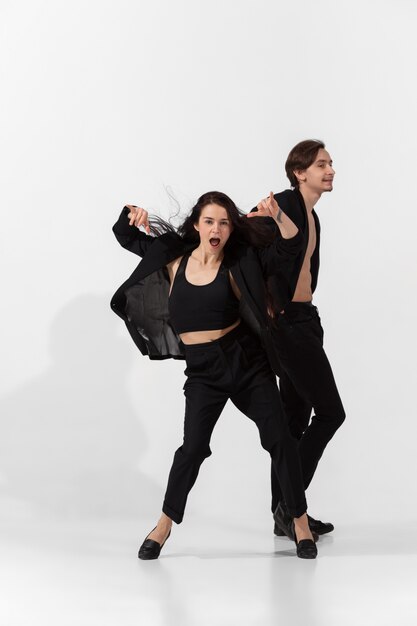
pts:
pixel 189 298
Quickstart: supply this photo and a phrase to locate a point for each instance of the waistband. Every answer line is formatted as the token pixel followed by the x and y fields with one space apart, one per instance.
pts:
pixel 238 332
pixel 300 306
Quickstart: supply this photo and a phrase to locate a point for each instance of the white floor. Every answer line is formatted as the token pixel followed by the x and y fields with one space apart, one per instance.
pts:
pixel 88 574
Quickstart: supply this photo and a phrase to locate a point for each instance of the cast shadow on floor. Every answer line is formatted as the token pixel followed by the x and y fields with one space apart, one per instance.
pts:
pixel 71 442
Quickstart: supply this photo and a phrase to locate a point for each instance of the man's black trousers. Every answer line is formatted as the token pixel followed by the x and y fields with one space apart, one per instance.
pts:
pixel 306 382
pixel 234 367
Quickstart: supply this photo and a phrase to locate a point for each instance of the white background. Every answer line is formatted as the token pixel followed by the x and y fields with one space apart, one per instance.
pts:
pixel 105 103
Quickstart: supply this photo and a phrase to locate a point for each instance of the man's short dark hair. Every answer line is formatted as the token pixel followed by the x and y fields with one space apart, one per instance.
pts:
pixel 301 157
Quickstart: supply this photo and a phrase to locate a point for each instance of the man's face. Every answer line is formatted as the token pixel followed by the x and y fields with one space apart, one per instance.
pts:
pixel 319 176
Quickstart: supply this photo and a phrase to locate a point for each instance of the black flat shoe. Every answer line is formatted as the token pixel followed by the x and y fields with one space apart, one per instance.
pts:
pixel 306 548
pixel 151 549
pixel 284 526
pixel 321 528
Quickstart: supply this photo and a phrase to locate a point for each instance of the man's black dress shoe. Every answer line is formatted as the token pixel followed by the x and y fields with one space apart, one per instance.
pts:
pixel 151 549
pixel 278 532
pixel 283 522
pixel 321 528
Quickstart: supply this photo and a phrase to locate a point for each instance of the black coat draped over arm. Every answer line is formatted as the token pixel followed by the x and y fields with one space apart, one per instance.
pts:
pixel 142 300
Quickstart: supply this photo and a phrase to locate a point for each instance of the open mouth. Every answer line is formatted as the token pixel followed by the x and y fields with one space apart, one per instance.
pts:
pixel 215 242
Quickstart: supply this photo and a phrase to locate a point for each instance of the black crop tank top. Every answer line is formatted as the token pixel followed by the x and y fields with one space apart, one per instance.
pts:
pixel 202 307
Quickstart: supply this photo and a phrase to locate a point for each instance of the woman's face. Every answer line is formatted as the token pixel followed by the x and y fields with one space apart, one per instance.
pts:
pixel 214 226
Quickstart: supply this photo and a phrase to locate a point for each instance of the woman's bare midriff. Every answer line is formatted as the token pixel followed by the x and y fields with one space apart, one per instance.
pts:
pixel 204 336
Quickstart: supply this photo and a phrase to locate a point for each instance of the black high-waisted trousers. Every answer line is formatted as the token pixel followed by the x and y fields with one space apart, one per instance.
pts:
pixel 236 367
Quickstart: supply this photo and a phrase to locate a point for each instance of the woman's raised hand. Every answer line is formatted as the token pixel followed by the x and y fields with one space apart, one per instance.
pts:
pixel 138 217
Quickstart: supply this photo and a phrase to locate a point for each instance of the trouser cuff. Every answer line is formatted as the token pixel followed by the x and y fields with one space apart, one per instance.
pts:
pixel 297 510
pixel 174 515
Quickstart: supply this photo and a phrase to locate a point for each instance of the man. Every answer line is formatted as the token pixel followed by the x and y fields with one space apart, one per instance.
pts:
pixel 306 378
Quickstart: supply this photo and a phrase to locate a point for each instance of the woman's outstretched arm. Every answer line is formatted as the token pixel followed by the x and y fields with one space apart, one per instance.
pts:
pixel 127 230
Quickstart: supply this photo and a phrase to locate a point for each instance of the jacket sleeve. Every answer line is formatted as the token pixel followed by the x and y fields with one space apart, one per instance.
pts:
pixel 282 252
pixel 131 237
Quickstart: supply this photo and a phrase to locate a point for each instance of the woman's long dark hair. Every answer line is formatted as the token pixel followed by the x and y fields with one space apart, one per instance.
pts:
pixel 255 231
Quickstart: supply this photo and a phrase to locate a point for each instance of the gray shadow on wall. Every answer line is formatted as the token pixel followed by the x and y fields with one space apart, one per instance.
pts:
pixel 70 441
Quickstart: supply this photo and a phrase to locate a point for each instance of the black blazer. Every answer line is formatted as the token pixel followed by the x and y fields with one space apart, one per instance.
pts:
pixel 142 300
pixel 282 282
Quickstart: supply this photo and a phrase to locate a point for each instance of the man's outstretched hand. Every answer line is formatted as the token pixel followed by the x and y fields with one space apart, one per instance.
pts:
pixel 267 208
